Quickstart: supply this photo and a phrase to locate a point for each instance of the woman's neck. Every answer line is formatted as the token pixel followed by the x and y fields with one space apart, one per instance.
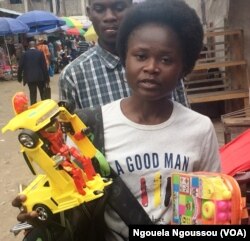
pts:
pixel 147 113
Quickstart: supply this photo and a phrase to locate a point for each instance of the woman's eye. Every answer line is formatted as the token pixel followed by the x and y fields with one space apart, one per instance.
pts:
pixel 140 57
pixel 166 60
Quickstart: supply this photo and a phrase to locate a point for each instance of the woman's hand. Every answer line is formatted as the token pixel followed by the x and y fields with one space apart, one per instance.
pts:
pixel 24 216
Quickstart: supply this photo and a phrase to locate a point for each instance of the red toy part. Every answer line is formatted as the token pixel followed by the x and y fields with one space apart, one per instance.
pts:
pixel 77 175
pixel 70 156
pixel 79 135
pixel 86 163
pixel 20 102
pixel 55 137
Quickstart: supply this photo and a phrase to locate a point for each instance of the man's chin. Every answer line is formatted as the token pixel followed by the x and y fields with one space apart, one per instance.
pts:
pixel 110 38
pixel 107 41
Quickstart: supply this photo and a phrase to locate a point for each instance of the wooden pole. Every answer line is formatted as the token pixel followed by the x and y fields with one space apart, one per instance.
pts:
pixel 54 7
pixel 25 3
pixel 83 7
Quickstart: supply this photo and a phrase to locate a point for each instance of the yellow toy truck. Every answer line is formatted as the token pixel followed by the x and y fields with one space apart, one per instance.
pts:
pixel 65 176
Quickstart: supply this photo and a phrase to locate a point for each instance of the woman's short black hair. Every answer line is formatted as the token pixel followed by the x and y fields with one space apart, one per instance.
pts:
pixel 89 1
pixel 173 13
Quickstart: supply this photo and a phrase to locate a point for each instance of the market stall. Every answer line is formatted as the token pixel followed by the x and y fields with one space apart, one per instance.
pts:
pixel 9 27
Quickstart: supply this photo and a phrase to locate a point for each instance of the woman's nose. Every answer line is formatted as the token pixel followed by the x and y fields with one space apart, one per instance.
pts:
pixel 151 66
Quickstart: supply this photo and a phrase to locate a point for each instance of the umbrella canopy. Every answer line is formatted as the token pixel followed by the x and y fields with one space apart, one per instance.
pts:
pixel 84 20
pixel 90 34
pixel 72 23
pixel 75 31
pixel 10 26
pixel 40 21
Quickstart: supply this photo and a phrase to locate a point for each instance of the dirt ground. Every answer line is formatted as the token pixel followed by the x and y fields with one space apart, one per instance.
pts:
pixel 13 169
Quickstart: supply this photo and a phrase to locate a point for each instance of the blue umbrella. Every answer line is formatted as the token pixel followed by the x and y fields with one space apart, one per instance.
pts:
pixel 10 26
pixel 39 21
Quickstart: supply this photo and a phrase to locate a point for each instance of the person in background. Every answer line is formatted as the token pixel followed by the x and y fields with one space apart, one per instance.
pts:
pixel 11 48
pixel 32 70
pixel 19 51
pixel 97 76
pixel 65 57
pixel 83 46
pixel 74 48
pixel 2 58
pixel 67 43
pixel 52 57
pixel 41 46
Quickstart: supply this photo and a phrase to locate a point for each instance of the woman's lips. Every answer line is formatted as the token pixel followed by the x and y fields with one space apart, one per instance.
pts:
pixel 149 84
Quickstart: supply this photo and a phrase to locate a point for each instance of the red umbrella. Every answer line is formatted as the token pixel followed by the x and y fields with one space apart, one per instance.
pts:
pixel 74 31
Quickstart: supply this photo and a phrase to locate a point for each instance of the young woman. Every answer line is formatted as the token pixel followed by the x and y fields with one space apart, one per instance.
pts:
pixel 147 135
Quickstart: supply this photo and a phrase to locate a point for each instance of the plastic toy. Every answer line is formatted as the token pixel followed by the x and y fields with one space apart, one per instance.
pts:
pixel 65 176
pixel 206 198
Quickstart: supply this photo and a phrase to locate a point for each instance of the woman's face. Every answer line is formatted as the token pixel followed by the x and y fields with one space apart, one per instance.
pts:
pixel 154 61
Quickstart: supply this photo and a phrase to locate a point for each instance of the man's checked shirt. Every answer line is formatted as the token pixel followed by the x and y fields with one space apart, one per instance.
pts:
pixel 96 78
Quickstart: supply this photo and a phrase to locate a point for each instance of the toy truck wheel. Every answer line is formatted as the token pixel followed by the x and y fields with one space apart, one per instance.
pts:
pixel 28 138
pixel 44 213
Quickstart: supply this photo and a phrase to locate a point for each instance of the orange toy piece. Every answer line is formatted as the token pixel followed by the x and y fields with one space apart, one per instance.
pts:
pixel 76 173
pixel 85 161
pixel 20 102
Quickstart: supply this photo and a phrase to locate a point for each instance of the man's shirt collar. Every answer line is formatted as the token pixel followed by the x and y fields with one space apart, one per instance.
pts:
pixel 109 60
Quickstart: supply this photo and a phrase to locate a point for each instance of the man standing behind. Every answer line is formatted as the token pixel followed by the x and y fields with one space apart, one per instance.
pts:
pixel 83 46
pixel 33 71
pixel 97 77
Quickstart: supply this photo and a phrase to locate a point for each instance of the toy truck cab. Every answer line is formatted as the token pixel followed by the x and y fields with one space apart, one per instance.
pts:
pixel 65 174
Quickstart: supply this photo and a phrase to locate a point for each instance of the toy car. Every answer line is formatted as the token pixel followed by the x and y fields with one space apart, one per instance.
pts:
pixel 65 174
